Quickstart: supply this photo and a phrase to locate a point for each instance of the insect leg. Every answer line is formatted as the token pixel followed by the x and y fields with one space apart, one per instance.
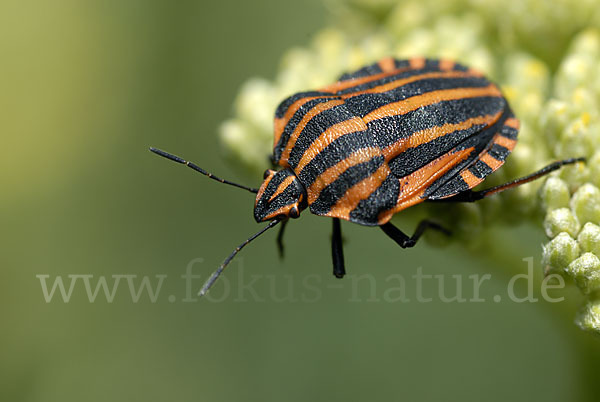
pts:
pixel 403 240
pixel 280 238
pixel 471 196
pixel 337 252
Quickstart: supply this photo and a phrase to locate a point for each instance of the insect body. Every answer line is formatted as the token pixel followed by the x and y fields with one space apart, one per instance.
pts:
pixel 384 138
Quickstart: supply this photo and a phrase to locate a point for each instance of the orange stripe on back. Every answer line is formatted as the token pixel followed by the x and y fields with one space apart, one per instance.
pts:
pixel 331 174
pixel 446 64
pixel 505 142
pixel 264 185
pixel 430 98
pixel 512 122
pixel 328 136
pixel 279 124
pixel 387 64
pixel 282 186
pixel 470 178
pixel 285 210
pixel 341 85
pixel 491 161
pixel 417 62
pixel 360 191
pixel 305 119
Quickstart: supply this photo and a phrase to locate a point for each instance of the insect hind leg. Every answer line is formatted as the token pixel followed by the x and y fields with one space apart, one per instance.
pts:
pixel 472 196
pixel 404 240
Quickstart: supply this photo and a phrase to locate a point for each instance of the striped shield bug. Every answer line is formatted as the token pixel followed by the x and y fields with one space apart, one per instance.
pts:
pixel 381 139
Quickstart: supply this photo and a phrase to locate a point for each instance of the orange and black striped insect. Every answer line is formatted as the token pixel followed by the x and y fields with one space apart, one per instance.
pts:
pixel 381 139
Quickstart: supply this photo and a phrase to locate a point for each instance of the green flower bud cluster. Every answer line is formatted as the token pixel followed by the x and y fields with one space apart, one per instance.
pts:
pixel 508 24
pixel 555 92
pixel 571 199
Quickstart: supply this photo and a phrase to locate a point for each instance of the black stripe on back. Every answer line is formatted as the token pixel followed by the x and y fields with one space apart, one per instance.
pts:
pixel 391 129
pixel 455 185
pixel 432 63
pixel 375 68
pixel 384 198
pixel 339 149
pixel 401 63
pixel 364 104
pixel 293 122
pixel 509 132
pixel 314 128
pixel 286 103
pixel 273 185
pixel 480 169
pixel 385 80
pixel 336 190
pixel 499 152
pixel 363 72
pixel 287 197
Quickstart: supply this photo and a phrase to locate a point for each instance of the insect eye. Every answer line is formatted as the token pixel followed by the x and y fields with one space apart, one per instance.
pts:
pixel 294 212
pixel 266 174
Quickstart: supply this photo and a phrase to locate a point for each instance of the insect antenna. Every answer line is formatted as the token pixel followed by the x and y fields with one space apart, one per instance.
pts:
pixel 217 273
pixel 200 170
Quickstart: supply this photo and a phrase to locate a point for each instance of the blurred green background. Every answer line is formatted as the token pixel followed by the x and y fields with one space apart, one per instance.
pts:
pixel 86 87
